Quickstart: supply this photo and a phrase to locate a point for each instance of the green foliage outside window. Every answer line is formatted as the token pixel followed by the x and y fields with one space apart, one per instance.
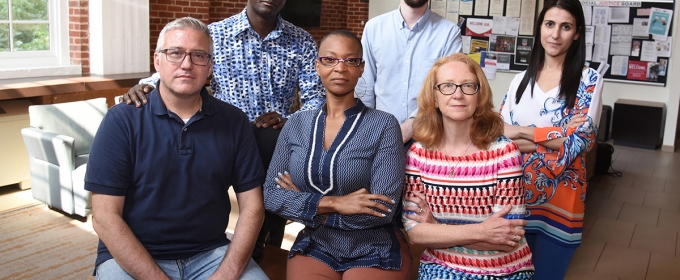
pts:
pixel 4 11
pixel 29 29
pixel 29 10
pixel 4 37
pixel 31 37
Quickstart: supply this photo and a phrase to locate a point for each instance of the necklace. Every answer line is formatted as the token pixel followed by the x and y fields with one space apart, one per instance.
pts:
pixel 452 171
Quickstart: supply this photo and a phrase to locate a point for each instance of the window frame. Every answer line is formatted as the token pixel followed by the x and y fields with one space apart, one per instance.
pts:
pixel 56 61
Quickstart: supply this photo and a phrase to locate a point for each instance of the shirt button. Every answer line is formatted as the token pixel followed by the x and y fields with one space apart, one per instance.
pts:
pixel 403 104
pixel 185 129
pixel 404 82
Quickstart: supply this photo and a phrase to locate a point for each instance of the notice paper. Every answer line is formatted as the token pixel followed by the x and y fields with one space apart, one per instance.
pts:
pixel 663 48
pixel 648 52
pixel 438 7
pixel 452 10
pixel 619 65
pixel 498 25
pixel 481 7
pixel 526 18
pixel 600 15
pixel 588 14
pixel 503 61
pixel 478 27
pixel 601 48
pixel 622 37
pixel 512 8
pixel 465 7
pixel 637 70
pixel 523 50
pixel 466 44
pixel 659 21
pixel 641 27
pixel 496 8
pixel 619 14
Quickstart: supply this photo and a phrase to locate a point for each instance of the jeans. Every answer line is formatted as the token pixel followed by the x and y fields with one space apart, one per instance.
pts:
pixel 200 266
pixel 551 260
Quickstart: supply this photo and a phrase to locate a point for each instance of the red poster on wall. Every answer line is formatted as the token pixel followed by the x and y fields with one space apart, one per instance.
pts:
pixel 637 70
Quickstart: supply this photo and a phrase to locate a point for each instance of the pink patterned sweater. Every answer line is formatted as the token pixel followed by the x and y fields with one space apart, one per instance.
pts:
pixel 484 182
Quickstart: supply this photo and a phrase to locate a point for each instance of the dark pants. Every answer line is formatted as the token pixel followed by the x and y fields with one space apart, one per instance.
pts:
pixel 273 226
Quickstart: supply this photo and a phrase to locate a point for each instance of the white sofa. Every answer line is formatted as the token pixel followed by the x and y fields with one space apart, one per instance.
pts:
pixel 58 142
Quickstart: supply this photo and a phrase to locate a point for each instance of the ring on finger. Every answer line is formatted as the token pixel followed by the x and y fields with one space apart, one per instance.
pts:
pixel 420 210
pixel 279 119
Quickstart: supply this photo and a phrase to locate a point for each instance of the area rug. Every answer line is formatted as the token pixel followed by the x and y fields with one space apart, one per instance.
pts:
pixel 39 243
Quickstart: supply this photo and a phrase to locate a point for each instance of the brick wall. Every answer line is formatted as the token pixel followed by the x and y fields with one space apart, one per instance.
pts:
pixel 79 42
pixel 335 14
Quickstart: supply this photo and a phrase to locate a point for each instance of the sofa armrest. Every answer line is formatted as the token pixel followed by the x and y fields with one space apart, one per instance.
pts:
pixel 49 147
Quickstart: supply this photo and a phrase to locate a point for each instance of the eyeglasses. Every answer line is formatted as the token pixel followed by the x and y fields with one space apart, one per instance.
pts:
pixel 450 88
pixel 332 61
pixel 178 56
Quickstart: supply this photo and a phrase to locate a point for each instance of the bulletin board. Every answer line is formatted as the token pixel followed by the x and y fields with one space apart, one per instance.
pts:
pixel 656 68
pixel 638 65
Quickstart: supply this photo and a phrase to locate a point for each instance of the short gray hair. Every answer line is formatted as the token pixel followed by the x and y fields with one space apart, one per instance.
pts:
pixel 181 23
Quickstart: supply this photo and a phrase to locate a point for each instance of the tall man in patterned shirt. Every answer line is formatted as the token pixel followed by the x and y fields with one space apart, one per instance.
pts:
pixel 400 47
pixel 260 59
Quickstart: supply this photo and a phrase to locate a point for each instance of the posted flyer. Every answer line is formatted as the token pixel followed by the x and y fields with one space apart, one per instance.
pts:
pixel 637 70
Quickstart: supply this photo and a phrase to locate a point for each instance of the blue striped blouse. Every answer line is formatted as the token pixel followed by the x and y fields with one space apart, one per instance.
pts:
pixel 366 153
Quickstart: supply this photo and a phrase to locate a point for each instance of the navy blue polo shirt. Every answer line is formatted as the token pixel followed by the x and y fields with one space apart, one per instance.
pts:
pixel 174 176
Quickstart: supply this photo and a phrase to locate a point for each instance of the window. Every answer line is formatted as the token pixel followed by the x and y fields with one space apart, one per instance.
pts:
pixel 34 38
pixel 25 26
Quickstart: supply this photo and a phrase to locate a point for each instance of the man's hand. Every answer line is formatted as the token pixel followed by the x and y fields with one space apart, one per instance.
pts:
pixel 272 119
pixel 407 130
pixel 136 94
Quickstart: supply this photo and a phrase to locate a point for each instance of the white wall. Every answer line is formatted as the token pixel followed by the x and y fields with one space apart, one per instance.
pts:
pixel 378 7
pixel 612 90
pixel 117 43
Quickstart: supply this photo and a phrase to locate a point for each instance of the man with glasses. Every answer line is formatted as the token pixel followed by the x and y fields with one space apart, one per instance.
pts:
pixel 400 47
pixel 260 60
pixel 160 174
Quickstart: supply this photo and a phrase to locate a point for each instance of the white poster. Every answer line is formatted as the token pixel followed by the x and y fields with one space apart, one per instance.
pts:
pixel 498 25
pixel 482 7
pixel 512 26
pixel 466 44
pixel 600 15
pixel 659 21
pixel 438 7
pixel 648 52
pixel 496 8
pixel 622 37
pixel 478 27
pixel 512 8
pixel 526 19
pixel 619 65
pixel 619 14
pixel 452 6
pixel 503 61
pixel 601 40
pixel 588 14
pixel 465 8
pixel 590 34
pixel 641 27
pixel 663 48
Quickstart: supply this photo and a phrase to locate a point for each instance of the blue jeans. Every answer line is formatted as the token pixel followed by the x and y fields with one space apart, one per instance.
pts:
pixel 550 259
pixel 200 266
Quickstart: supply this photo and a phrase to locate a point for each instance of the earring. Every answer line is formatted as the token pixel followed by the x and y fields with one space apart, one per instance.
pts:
pixel 362 95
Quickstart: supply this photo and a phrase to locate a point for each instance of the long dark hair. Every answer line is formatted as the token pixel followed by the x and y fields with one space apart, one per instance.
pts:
pixel 574 60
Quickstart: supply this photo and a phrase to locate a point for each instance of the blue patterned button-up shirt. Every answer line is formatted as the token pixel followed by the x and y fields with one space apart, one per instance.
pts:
pixel 261 75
